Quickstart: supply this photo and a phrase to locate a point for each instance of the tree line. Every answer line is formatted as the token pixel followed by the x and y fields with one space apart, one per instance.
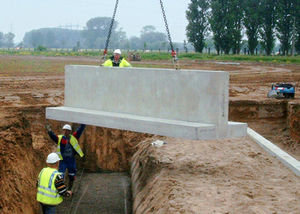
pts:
pixel 94 37
pixel 261 21
pixel 6 40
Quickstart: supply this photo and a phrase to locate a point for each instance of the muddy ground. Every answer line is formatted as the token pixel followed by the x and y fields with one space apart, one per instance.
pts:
pixel 28 84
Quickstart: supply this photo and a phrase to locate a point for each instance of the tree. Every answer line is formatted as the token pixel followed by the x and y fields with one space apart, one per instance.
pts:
pixel 49 39
pixel 151 38
pixel 97 30
pixel 268 22
pixel 217 17
pixel 235 24
pixel 52 38
pixel 285 23
pixel 135 43
pixel 252 22
pixel 226 25
pixel 148 29
pixel 96 33
pixel 9 40
pixel 35 38
pixel 1 39
pixel 297 26
pixel 197 16
pixel 185 46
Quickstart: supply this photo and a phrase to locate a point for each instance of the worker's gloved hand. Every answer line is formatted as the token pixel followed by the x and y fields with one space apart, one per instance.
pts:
pixel 48 128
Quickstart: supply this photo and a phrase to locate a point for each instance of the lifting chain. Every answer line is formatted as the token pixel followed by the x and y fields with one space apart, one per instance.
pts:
pixel 109 31
pixel 174 55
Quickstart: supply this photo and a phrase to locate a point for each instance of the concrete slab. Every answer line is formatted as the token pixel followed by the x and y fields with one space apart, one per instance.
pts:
pixel 158 126
pixel 236 129
pixel 187 95
pixel 188 104
pixel 274 150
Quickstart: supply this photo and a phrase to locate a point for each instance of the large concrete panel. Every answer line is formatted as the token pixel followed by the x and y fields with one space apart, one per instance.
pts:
pixel 152 100
pixel 188 95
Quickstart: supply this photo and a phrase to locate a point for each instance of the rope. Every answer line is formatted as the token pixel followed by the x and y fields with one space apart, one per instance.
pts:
pixel 174 55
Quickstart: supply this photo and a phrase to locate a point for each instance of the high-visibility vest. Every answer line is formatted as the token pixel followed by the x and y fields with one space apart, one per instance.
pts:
pixel 123 63
pixel 47 193
pixel 73 142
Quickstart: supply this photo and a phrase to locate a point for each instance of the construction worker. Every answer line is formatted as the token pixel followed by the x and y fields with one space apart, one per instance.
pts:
pixel 50 185
pixel 67 148
pixel 116 60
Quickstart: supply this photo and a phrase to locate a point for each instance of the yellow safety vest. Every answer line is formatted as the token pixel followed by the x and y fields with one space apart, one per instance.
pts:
pixel 123 63
pixel 73 142
pixel 47 193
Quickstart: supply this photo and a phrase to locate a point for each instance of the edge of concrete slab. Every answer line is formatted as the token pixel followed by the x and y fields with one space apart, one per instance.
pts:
pixel 274 150
pixel 157 126
pixel 236 129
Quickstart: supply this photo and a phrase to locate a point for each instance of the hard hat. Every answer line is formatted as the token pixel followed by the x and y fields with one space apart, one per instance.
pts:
pixel 52 158
pixel 67 127
pixel 117 51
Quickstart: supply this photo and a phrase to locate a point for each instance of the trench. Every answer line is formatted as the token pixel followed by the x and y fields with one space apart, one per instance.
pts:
pixel 105 184
pixel 276 120
pixel 99 193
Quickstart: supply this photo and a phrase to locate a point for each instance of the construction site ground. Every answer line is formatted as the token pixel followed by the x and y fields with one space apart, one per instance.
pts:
pixel 30 83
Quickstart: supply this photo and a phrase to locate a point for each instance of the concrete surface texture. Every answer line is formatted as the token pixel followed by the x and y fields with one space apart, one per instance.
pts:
pixel 157 101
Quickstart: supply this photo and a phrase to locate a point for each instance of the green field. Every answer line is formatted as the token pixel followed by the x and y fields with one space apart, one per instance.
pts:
pixel 163 56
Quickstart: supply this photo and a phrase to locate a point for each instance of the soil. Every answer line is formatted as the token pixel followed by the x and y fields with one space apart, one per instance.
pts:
pixel 229 176
pixel 30 83
pixel 103 193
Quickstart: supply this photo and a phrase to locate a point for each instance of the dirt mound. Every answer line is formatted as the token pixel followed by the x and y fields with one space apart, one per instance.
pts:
pixel 218 176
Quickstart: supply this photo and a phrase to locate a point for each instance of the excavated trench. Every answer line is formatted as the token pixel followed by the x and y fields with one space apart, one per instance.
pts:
pixel 105 183
pixel 276 120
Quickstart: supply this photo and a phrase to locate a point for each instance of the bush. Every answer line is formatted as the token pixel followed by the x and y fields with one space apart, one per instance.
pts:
pixel 40 48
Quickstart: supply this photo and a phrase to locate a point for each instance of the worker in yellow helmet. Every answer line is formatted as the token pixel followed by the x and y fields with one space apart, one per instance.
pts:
pixel 51 187
pixel 116 60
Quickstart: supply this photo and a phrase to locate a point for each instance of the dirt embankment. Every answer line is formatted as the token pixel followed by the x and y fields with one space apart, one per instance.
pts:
pixel 25 144
pixel 22 150
pixel 218 176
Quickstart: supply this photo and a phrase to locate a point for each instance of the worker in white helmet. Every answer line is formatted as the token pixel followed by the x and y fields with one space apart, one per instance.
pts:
pixel 50 185
pixel 116 60
pixel 67 148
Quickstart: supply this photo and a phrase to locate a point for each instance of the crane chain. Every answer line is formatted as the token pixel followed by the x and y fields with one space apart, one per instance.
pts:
pixel 110 30
pixel 174 55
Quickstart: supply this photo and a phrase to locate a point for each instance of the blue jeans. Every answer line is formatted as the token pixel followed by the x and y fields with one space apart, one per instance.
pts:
pixel 48 209
pixel 70 164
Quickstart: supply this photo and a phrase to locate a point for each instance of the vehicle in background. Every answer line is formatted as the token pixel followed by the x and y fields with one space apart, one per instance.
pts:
pixel 282 90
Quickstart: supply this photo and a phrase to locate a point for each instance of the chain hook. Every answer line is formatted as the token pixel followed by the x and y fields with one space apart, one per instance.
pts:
pixel 174 55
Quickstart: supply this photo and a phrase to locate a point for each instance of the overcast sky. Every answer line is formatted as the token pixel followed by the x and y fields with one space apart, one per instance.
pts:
pixel 20 16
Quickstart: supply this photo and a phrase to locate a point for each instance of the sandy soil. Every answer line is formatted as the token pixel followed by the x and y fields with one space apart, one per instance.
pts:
pixel 28 84
pixel 229 176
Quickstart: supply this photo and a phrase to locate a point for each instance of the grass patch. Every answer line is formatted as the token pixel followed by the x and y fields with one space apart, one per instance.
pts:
pixel 161 56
